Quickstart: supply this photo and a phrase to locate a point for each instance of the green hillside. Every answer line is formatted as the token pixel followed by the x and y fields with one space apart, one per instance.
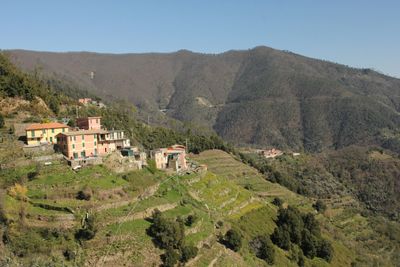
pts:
pixel 42 221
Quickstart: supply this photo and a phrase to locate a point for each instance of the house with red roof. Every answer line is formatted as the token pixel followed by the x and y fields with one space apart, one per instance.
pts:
pixel 42 133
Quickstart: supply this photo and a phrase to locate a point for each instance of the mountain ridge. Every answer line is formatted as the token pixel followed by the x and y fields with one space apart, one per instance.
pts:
pixel 261 96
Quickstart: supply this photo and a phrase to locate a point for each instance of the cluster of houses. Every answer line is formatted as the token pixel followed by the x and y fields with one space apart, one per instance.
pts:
pixel 273 153
pixel 89 140
pixel 88 101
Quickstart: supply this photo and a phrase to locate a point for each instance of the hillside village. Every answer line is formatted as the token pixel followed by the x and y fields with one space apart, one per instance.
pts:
pixel 88 143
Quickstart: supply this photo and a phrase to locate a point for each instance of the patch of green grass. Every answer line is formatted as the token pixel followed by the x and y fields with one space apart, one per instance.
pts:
pixel 96 177
pixel 131 227
pixel 178 211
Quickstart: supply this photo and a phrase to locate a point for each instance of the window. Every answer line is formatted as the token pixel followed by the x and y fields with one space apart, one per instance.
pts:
pixel 75 155
pixel 94 142
pixel 74 138
pixel 52 130
pixel 83 137
pixel 83 144
pixel 43 131
pixel 73 146
pixel 51 139
pixel 33 133
pixel 97 120
pixel 63 130
pixel 70 138
pixel 95 136
pixel 83 154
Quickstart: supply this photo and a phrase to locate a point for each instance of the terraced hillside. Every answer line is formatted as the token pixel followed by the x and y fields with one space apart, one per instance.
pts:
pixel 49 207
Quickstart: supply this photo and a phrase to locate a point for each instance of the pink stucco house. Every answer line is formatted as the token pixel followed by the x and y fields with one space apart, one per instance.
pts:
pixel 80 144
pixel 90 140
pixel 89 123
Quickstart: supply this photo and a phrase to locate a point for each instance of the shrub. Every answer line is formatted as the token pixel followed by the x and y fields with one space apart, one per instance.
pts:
pixel 84 194
pixel 325 250
pixel 32 175
pixel 249 187
pixel 281 238
pixel 188 252
pixel 277 202
pixel 18 191
pixel 170 258
pixel 233 240
pixel 311 224
pixel 320 206
pixel 69 254
pixel 191 219
pixel 265 168
pixel 166 232
pixel 263 248
pixel 84 234
pixel 71 123
pixel 309 244
pixel 3 215
pixel 89 229
pixel 1 121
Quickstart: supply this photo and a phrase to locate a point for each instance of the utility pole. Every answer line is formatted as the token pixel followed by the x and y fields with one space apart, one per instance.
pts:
pixel 187 146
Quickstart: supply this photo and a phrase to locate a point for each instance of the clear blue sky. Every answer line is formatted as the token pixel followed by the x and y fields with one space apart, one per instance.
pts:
pixel 360 33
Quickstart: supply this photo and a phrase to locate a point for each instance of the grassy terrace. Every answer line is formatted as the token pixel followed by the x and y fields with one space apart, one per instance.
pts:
pixel 221 194
pixel 224 165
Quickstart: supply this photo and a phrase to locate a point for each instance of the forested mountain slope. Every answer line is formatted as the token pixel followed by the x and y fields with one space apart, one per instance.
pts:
pixel 261 96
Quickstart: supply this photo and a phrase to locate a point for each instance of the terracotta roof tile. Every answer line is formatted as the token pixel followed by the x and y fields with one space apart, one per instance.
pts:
pixel 50 125
pixel 84 132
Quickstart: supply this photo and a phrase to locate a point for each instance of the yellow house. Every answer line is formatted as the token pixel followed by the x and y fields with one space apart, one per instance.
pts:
pixel 44 132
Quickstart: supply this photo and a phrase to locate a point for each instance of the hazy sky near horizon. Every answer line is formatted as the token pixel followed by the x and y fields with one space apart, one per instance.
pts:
pixel 352 32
